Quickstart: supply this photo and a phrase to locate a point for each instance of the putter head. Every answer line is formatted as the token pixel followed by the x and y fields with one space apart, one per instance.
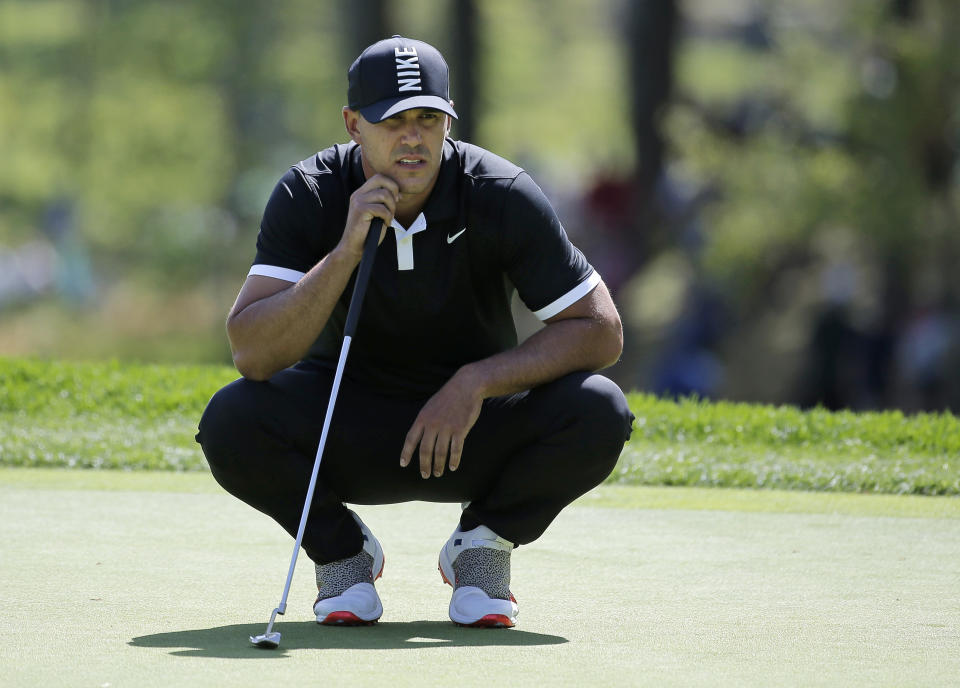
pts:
pixel 270 641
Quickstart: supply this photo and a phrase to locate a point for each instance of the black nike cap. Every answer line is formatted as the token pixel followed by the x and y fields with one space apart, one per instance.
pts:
pixel 398 74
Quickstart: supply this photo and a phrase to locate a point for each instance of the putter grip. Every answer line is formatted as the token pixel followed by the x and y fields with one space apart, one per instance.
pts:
pixel 363 276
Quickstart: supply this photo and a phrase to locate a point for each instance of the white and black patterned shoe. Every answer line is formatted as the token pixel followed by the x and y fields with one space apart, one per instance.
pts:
pixel 346 593
pixel 476 564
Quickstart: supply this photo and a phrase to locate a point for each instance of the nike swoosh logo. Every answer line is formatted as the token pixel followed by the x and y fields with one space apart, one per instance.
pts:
pixel 451 239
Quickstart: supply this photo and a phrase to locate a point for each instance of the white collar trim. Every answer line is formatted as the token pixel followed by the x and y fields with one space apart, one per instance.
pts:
pixel 405 241
pixel 418 225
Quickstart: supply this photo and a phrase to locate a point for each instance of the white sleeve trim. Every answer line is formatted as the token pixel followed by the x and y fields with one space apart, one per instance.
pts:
pixel 279 273
pixel 570 298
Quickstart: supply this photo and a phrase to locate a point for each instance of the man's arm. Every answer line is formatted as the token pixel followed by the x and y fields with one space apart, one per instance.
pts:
pixel 273 322
pixel 586 335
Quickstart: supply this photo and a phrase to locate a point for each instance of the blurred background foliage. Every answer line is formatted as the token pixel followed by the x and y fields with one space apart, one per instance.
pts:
pixel 769 188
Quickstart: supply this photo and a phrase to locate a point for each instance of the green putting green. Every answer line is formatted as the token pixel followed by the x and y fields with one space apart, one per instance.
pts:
pixel 118 579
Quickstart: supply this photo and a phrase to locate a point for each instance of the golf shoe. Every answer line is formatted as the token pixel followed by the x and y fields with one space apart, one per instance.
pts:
pixel 346 593
pixel 476 563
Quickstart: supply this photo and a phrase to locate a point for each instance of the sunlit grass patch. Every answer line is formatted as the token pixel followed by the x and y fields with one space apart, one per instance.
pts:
pixel 136 416
pixel 695 442
pixel 104 415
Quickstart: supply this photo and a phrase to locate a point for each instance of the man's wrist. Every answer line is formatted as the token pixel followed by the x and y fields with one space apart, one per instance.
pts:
pixel 341 254
pixel 471 378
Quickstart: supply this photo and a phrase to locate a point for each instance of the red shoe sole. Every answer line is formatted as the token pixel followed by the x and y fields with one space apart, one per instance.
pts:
pixel 490 621
pixel 345 619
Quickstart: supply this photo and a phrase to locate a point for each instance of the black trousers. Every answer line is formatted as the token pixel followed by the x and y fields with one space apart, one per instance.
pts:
pixel 527 457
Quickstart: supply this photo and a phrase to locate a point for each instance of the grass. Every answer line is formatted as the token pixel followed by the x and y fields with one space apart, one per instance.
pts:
pixel 104 415
pixel 611 496
pixel 138 416
pixel 722 444
pixel 157 578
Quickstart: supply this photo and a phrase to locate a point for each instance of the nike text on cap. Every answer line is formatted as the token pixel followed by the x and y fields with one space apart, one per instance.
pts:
pixel 398 74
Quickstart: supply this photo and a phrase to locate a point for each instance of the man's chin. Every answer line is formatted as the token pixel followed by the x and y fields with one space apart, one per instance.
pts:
pixel 415 183
pixel 413 187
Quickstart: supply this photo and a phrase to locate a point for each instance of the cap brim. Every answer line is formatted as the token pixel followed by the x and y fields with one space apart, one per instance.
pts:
pixel 391 106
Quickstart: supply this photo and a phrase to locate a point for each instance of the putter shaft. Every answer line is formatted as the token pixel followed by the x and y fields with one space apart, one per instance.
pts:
pixel 353 313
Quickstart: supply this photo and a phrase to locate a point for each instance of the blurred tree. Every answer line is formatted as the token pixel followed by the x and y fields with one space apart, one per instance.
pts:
pixel 836 162
pixel 905 130
pixel 652 28
pixel 652 31
pixel 366 22
pixel 463 66
pixel 249 91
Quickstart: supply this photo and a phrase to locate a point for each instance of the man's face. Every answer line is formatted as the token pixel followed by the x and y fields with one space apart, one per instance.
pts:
pixel 407 147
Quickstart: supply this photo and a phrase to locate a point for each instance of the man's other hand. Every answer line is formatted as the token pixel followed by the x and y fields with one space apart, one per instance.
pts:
pixel 442 426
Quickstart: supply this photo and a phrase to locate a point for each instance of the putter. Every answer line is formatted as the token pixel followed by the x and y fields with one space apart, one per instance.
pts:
pixel 270 638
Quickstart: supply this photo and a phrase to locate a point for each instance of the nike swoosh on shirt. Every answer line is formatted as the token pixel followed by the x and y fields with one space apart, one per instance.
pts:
pixel 452 238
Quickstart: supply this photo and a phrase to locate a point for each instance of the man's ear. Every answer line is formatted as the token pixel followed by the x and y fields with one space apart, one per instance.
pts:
pixel 350 120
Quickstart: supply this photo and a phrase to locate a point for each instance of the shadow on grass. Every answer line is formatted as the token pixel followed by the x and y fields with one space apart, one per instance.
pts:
pixel 232 641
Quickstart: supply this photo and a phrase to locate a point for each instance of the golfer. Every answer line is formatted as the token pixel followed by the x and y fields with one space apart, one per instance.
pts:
pixel 438 402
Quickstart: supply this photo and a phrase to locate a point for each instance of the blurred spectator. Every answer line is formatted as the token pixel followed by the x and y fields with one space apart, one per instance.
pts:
pixel 923 356
pixel 848 358
pixel 27 271
pixel 688 364
pixel 74 279
pixel 609 209
pixel 55 262
pixel 835 373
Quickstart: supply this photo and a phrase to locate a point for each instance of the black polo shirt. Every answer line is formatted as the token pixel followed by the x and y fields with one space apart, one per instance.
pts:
pixel 440 292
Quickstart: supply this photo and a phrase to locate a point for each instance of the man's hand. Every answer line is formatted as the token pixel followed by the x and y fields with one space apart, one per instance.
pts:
pixel 377 197
pixel 586 335
pixel 442 426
